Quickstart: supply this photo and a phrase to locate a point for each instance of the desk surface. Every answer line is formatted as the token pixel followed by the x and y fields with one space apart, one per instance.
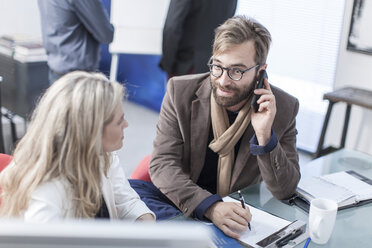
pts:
pixel 353 225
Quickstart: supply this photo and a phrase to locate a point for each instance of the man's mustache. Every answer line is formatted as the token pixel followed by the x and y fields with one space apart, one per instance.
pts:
pixel 224 88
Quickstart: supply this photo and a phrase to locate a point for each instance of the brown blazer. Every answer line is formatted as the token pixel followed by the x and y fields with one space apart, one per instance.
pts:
pixel 181 143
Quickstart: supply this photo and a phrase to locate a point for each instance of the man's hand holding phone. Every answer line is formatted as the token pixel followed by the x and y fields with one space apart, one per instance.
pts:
pixel 259 85
pixel 263 119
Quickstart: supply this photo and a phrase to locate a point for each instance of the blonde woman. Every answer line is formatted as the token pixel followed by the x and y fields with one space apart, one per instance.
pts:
pixel 64 166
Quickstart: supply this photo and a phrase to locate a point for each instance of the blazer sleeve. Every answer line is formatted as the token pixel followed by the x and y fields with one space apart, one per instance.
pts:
pixel 169 168
pixel 128 203
pixel 279 168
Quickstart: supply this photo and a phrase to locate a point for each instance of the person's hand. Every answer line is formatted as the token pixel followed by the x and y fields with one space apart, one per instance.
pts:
pixel 146 217
pixel 230 217
pixel 262 121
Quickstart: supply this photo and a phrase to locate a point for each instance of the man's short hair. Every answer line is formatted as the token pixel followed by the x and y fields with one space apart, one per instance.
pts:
pixel 240 29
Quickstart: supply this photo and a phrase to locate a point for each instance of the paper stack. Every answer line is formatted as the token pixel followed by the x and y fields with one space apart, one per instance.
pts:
pixel 23 48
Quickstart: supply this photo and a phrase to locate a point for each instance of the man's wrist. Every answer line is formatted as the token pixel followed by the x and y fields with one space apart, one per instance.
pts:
pixel 201 209
pixel 256 149
pixel 263 139
pixel 209 211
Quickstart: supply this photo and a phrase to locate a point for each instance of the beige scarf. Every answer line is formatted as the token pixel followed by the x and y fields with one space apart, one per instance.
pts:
pixel 225 138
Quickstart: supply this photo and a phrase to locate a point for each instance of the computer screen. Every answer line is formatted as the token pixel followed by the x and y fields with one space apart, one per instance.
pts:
pixel 184 234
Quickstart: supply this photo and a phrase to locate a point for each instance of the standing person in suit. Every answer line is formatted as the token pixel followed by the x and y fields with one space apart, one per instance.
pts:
pixel 209 141
pixel 72 33
pixel 188 34
pixel 64 166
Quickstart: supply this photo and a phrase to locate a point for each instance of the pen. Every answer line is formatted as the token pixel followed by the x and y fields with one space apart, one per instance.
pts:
pixel 243 205
pixel 288 238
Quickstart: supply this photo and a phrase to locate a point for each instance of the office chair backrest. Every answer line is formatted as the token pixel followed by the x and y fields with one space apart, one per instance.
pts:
pixel 5 159
pixel 141 172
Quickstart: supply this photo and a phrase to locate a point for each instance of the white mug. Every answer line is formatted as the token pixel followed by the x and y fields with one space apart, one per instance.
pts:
pixel 322 219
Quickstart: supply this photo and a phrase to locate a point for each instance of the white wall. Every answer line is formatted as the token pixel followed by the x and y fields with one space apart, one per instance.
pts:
pixel 353 69
pixel 19 17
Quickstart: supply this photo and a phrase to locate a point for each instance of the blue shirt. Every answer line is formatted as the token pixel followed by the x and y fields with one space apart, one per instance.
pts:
pixel 72 32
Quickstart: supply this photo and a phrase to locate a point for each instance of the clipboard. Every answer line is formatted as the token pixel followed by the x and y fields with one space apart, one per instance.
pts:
pixel 303 203
pixel 289 236
pixel 267 231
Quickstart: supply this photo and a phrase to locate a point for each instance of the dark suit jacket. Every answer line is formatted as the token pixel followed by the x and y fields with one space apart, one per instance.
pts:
pixel 181 143
pixel 189 31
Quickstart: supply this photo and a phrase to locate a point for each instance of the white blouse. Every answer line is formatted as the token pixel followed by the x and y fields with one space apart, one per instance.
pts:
pixel 52 200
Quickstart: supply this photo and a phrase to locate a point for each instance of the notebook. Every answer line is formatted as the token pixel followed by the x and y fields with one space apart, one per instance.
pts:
pixel 347 188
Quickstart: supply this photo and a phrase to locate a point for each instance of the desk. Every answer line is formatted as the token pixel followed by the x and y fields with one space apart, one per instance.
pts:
pixel 353 225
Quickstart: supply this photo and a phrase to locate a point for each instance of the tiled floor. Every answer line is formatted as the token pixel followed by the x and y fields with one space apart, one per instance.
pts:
pixel 141 132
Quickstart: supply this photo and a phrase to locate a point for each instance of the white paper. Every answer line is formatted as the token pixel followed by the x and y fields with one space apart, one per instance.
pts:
pixel 263 224
pixel 360 189
pixel 320 188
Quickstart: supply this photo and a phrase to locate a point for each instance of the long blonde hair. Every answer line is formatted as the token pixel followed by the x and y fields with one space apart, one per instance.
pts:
pixel 64 141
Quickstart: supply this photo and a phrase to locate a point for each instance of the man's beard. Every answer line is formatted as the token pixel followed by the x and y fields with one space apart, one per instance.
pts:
pixel 238 96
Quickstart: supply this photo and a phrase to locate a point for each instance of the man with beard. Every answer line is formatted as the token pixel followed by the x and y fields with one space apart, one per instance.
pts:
pixel 211 143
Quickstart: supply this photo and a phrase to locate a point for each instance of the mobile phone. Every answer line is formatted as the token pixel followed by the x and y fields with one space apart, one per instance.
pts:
pixel 259 85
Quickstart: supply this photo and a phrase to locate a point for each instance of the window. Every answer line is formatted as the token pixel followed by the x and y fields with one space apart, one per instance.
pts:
pixel 303 56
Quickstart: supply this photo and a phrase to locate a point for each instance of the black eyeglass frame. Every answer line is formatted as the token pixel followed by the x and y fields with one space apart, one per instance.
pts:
pixel 228 71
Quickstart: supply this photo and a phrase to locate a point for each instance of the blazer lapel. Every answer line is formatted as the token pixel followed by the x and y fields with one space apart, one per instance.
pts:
pixel 199 128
